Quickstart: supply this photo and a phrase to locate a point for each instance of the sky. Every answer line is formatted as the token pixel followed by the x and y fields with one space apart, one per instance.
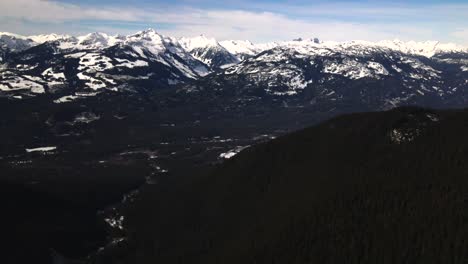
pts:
pixel 258 21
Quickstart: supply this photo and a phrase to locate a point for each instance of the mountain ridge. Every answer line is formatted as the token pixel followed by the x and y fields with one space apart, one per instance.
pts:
pixel 425 48
pixel 298 73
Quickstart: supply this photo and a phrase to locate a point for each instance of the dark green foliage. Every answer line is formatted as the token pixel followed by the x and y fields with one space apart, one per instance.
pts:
pixel 342 192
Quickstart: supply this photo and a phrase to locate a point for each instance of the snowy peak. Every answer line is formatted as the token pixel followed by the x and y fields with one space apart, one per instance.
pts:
pixel 244 49
pixel 155 43
pixel 240 48
pixel 201 41
pixel 151 37
pixel 167 50
pixel 94 40
pixel 50 37
pixel 97 40
pixel 147 35
pixel 426 48
pixel 151 40
pixel 209 51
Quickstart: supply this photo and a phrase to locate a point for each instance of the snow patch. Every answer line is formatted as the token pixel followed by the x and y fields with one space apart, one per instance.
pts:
pixel 75 55
pixel 233 152
pixel 86 118
pixel 21 83
pixel 95 62
pixel 352 69
pixel 131 64
pixel 92 83
pixel 42 149
pixel 66 99
pixel 116 222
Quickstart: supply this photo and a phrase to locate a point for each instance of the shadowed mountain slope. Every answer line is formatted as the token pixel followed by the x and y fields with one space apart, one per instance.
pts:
pixel 387 187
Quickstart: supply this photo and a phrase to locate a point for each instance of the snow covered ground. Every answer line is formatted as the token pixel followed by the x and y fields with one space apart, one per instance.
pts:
pixel 41 149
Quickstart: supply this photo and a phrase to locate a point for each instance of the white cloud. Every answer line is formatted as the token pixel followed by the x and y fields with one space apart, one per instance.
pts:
pixel 423 12
pixel 271 26
pixel 328 22
pixel 51 11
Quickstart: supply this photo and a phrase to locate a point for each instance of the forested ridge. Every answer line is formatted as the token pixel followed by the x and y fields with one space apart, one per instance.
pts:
pixel 384 187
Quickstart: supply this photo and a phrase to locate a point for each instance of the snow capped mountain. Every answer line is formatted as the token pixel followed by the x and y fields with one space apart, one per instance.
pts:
pixel 427 48
pixel 14 42
pixel 151 40
pixel 168 51
pixel 49 37
pixel 48 69
pixel 90 41
pixel 314 46
pixel 292 66
pixel 242 48
pixel 97 40
pixel 239 47
pixel 351 73
pixel 209 51
pixel 198 42
pixel 98 62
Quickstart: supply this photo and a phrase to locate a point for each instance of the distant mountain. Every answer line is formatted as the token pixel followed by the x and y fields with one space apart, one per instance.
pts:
pixel 97 63
pixel 355 74
pixel 14 42
pixel 209 51
pixel 427 48
pixel 241 48
pixel 303 72
pixel 169 50
pixel 39 39
pixel 362 188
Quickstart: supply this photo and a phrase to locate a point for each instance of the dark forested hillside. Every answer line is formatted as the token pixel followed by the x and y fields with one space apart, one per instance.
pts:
pixel 389 187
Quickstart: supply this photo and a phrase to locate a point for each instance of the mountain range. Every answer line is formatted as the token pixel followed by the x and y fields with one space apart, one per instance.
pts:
pixel 415 72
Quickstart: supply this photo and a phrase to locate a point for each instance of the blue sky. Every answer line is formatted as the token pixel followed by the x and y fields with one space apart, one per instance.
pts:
pixel 259 21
